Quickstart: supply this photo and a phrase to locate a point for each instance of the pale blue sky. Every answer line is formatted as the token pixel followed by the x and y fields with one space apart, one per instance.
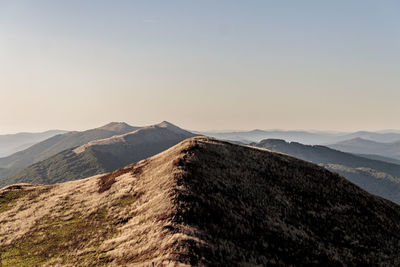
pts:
pixel 200 64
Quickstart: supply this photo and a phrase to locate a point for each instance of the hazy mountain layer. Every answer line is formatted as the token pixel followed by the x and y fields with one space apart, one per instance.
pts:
pixel 305 137
pixel 56 144
pixel 101 156
pixel 12 143
pixel 201 203
pixel 380 158
pixel 363 146
pixel 247 137
pixel 377 177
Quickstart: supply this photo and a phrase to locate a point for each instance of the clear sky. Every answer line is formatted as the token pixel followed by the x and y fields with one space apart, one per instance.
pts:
pixel 203 65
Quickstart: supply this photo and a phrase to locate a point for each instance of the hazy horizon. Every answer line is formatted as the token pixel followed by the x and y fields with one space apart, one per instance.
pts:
pixel 210 130
pixel 76 65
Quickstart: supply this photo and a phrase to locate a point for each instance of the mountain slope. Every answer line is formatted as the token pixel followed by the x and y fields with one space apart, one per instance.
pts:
pixel 201 203
pixel 12 143
pixel 377 177
pixel 56 144
pixel 364 146
pixel 101 156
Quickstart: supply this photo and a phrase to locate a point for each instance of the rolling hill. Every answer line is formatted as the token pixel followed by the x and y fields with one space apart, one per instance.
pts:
pixel 56 144
pixel 101 156
pixel 377 177
pixel 364 146
pixel 12 143
pixel 202 202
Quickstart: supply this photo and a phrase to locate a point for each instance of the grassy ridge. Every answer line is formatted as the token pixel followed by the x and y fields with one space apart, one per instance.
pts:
pixel 203 202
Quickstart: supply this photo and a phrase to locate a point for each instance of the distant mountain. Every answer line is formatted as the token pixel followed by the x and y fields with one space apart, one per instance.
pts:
pixel 12 143
pixel 305 137
pixel 377 177
pixel 381 136
pixel 51 146
pixel 380 158
pixel 247 137
pixel 101 156
pixel 364 146
pixel 201 203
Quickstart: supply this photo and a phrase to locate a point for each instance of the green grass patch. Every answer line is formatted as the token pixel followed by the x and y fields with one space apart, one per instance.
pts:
pixel 8 198
pixel 62 238
pixel 127 201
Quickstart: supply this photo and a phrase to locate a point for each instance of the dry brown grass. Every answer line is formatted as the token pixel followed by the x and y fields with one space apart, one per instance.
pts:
pixel 202 202
pixel 134 198
pixel 107 180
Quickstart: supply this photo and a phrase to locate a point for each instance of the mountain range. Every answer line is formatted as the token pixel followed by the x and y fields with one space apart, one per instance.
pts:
pixel 76 155
pixel 369 147
pixel 100 155
pixel 56 144
pixel 305 137
pixel 377 177
pixel 11 143
pixel 202 202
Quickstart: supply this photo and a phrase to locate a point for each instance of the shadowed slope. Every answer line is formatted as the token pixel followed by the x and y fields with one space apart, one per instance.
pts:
pixel 202 202
pixel 375 176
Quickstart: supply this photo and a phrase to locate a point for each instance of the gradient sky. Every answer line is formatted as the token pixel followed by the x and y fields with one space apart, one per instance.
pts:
pixel 203 65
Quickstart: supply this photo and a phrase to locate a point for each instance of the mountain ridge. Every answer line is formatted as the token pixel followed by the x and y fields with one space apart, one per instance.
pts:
pixel 117 127
pixel 102 155
pixel 202 202
pixel 51 146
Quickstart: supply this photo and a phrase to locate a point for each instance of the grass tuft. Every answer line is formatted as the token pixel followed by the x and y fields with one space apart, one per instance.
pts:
pixel 8 198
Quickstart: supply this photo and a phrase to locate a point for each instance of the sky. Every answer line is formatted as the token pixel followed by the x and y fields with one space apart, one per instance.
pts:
pixel 203 65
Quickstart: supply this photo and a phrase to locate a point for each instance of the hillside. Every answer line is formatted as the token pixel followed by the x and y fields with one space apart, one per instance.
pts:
pixel 201 203
pixel 101 156
pixel 11 143
pixel 364 146
pixel 56 144
pixel 377 177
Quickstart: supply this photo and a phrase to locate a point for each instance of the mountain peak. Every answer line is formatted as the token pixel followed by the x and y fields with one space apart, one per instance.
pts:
pixel 149 133
pixel 171 127
pixel 116 126
pixel 165 124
